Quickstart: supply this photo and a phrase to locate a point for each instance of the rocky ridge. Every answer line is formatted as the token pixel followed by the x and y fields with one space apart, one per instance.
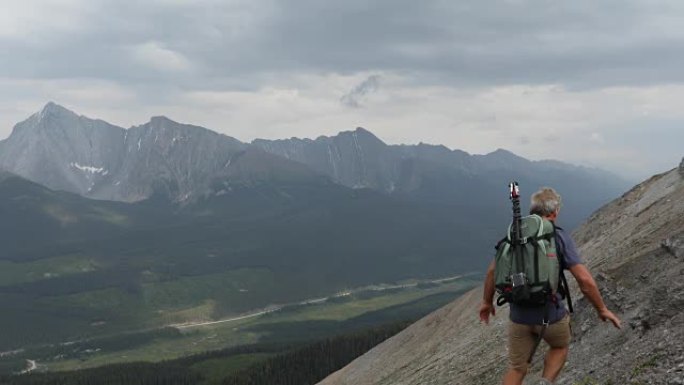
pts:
pixel 635 249
pixel 185 163
pixel 360 159
pixel 65 151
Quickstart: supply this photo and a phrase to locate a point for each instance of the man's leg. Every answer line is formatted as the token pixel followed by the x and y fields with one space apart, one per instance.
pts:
pixel 514 377
pixel 521 340
pixel 553 362
pixel 558 337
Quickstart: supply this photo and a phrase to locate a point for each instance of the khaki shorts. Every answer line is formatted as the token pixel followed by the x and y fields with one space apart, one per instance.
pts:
pixel 521 340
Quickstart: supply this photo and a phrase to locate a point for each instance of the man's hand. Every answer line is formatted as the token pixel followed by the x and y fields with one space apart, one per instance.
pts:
pixel 605 315
pixel 590 290
pixel 485 310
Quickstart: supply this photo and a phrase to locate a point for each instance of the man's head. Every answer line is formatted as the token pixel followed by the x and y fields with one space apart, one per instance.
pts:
pixel 545 203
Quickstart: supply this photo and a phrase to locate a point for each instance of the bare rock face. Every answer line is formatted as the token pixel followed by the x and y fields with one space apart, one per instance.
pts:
pixel 634 246
pixel 681 167
pixel 65 151
pixel 62 150
pixel 360 159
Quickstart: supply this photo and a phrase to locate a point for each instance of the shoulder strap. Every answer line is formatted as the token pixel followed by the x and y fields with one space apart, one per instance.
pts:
pixel 564 289
pixel 503 240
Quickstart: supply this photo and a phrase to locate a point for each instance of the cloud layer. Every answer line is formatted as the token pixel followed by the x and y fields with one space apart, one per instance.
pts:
pixel 602 78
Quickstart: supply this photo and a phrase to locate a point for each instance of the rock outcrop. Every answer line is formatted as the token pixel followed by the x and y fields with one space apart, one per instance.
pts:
pixel 633 246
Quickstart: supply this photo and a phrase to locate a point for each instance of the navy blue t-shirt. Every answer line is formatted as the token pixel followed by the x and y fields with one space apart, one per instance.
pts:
pixel 535 316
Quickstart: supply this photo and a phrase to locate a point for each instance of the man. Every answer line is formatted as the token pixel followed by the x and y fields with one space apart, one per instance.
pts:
pixel 525 323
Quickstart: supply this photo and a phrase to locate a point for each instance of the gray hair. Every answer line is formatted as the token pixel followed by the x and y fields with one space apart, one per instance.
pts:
pixel 545 202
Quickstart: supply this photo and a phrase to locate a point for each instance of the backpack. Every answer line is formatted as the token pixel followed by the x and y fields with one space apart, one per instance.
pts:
pixel 529 273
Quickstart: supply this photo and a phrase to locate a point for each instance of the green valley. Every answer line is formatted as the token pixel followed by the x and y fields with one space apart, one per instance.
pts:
pixel 284 325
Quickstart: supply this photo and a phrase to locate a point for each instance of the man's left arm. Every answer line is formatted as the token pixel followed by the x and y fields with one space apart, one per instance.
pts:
pixel 584 279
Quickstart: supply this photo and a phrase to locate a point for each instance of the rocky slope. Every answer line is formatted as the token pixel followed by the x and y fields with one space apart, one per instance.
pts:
pixel 635 248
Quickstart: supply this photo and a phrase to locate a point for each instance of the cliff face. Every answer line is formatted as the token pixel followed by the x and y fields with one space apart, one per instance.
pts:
pixel 64 151
pixel 635 248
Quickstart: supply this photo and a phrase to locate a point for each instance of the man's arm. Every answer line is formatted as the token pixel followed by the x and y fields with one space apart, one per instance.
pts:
pixel 590 290
pixel 487 307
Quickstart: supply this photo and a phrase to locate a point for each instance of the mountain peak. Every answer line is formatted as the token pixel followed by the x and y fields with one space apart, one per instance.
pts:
pixel 52 106
pixel 49 114
pixel 54 109
pixel 361 132
pixel 501 153
pixel 161 119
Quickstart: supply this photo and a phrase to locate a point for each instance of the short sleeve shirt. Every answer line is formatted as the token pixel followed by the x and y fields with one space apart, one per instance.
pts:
pixel 535 316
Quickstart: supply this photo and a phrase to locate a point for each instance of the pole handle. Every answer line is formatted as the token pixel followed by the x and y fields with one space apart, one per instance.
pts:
pixel 515 190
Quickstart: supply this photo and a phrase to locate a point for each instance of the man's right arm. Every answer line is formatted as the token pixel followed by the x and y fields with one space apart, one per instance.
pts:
pixel 590 290
pixel 487 307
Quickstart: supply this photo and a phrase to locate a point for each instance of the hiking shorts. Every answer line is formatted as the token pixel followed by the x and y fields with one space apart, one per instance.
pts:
pixel 521 340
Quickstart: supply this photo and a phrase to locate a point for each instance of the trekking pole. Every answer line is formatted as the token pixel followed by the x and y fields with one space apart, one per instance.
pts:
pixel 515 198
pixel 517 279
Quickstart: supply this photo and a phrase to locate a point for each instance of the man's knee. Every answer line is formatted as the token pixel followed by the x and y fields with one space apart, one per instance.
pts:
pixel 514 377
pixel 558 353
pixel 564 349
pixel 520 367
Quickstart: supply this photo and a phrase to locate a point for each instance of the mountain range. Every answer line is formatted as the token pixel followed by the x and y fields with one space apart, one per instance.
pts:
pixel 184 163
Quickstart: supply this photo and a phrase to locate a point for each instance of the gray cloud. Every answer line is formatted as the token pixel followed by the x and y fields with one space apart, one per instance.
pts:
pixel 354 97
pixel 471 75
pixel 581 43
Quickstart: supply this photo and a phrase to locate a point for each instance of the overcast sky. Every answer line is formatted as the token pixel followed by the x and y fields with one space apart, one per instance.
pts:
pixel 596 83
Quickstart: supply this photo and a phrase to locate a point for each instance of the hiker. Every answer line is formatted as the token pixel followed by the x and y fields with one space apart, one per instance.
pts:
pixel 526 323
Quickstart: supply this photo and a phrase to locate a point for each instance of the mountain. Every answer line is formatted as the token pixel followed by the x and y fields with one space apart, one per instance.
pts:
pixel 168 158
pixel 358 159
pixel 64 151
pixel 184 163
pixel 61 150
pixel 635 248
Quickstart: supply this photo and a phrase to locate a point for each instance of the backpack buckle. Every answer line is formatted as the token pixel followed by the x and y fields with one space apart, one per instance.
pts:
pixel 518 279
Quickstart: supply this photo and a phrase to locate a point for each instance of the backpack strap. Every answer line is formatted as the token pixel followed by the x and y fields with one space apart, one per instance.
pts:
pixel 501 242
pixel 563 287
pixel 502 299
pixel 535 245
pixel 566 291
pixel 540 336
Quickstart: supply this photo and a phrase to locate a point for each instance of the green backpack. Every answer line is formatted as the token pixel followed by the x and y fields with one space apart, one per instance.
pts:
pixel 528 274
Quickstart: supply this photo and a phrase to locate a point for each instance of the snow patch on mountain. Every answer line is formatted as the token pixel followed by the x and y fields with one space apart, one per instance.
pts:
pixel 90 169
